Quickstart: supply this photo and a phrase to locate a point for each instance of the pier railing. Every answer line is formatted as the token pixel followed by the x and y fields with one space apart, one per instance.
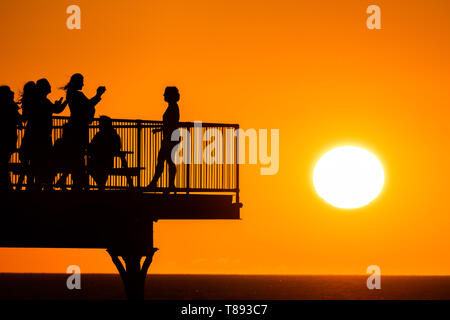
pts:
pixel 210 157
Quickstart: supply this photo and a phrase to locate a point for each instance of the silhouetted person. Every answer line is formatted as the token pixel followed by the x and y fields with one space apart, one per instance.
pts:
pixel 30 104
pixel 82 111
pixel 171 118
pixel 35 151
pixel 102 150
pixel 42 133
pixel 10 121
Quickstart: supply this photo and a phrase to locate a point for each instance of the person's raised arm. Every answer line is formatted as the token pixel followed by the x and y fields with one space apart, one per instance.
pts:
pixel 59 106
pixel 96 99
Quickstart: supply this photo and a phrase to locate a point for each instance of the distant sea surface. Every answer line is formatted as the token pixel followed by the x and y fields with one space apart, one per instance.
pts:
pixel 230 287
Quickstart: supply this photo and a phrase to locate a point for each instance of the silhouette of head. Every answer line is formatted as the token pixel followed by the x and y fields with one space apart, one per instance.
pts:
pixel 6 95
pixel 29 87
pixel 44 87
pixel 76 82
pixel 29 91
pixel 171 95
pixel 105 123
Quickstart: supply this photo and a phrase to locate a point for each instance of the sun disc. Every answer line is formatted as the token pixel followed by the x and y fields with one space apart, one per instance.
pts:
pixel 348 177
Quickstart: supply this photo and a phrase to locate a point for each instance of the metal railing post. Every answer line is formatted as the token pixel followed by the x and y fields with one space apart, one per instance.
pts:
pixel 187 178
pixel 138 153
pixel 236 156
pixel 188 175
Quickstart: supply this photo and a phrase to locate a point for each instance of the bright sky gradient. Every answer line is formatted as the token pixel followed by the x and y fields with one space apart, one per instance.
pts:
pixel 309 68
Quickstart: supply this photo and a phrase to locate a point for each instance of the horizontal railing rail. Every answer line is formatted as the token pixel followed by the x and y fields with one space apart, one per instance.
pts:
pixel 212 150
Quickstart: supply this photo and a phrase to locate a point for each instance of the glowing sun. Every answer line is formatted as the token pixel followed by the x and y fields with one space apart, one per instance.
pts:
pixel 348 177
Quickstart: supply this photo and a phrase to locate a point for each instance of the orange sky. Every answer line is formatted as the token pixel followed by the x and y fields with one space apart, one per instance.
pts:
pixel 309 68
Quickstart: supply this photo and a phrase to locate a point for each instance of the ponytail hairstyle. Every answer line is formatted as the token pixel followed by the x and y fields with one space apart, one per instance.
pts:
pixel 75 82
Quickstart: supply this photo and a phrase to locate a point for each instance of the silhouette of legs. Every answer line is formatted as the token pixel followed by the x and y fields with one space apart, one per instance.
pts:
pixel 25 165
pixel 5 179
pixel 165 155
pixel 80 177
pixel 100 176
pixel 61 183
pixel 159 168
pixel 79 174
pixel 99 168
pixel 26 172
pixel 124 162
pixel 40 167
pixel 172 174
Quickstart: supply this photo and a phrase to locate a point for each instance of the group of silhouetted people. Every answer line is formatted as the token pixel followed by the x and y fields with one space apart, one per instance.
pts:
pixel 42 160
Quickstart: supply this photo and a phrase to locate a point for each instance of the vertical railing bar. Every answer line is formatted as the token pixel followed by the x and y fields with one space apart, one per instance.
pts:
pixel 223 158
pixel 188 173
pixel 237 164
pixel 138 154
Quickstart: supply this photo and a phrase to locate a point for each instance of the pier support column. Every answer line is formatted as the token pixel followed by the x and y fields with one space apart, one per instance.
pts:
pixel 132 273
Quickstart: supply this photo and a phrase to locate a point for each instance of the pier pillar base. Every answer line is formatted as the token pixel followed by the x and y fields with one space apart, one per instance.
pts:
pixel 132 272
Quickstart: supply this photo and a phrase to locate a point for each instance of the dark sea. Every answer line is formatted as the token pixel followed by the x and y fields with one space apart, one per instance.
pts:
pixel 229 287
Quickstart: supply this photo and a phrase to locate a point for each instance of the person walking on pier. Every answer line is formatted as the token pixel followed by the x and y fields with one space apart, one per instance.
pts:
pixel 82 111
pixel 171 118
